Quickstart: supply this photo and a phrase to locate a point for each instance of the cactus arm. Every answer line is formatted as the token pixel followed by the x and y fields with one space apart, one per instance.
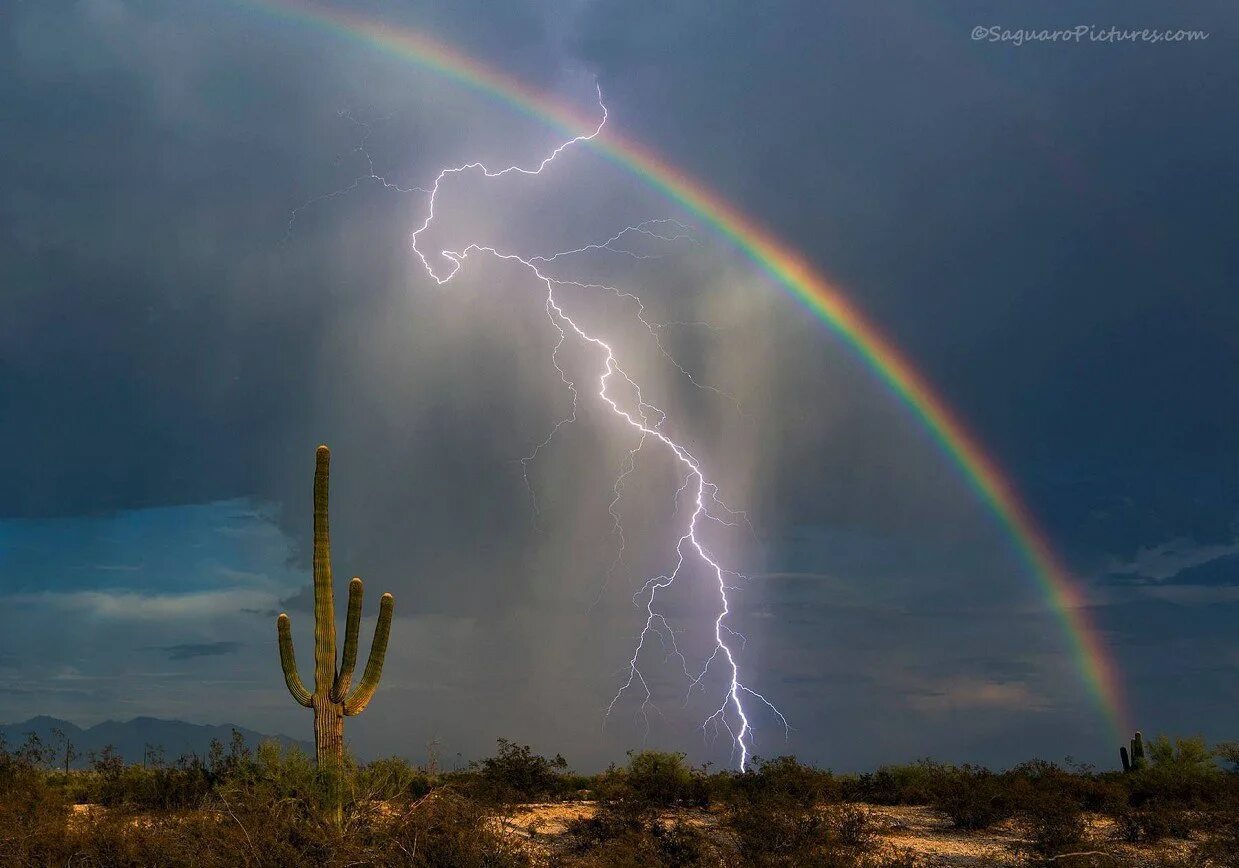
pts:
pixel 288 661
pixel 324 605
pixel 352 626
pixel 1125 758
pixel 360 697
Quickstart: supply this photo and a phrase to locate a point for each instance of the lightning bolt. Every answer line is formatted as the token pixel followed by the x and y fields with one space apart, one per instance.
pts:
pixel 733 713
pixel 363 148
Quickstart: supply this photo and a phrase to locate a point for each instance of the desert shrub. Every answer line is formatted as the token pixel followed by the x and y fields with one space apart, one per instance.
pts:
pixel 1222 844
pixel 849 826
pixel 516 774
pixel 628 828
pixel 107 773
pixel 113 784
pixel 1175 860
pixel 1080 784
pixel 1144 825
pixel 576 786
pixel 1180 821
pixel 226 764
pixel 1055 824
pixel 658 778
pixel 900 858
pixel 156 786
pixel 1228 753
pixel 285 772
pixel 444 829
pixel 33 815
pixel 781 776
pixel 775 817
pixel 910 784
pixel 242 825
pixel 777 831
pixel 606 824
pixel 1190 755
pixel 279 776
pixel 389 779
pixel 651 782
pixel 1180 770
pixel 1048 799
pixel 680 844
pixel 621 838
pixel 1103 793
pixel 972 796
pixel 242 830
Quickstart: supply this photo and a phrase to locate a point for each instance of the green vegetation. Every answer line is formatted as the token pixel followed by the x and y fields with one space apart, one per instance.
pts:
pixel 332 700
pixel 272 806
pixel 515 774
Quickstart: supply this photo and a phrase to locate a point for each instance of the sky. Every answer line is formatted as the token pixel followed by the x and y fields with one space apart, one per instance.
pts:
pixel 206 270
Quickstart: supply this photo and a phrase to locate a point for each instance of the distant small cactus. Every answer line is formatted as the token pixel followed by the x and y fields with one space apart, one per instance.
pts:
pixel 1135 759
pixel 332 700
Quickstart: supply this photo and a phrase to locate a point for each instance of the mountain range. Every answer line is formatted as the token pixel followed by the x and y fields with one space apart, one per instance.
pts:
pixel 133 738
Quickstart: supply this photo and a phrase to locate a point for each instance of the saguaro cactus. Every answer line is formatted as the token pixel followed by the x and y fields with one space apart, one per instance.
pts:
pixel 1135 760
pixel 332 700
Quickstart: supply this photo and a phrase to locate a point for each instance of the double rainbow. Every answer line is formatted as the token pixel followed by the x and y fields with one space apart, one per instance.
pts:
pixel 791 271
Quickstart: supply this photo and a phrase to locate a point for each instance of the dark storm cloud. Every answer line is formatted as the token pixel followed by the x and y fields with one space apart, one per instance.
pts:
pixel 191 650
pixel 1042 228
pixel 154 343
pixel 1045 231
pixel 1220 572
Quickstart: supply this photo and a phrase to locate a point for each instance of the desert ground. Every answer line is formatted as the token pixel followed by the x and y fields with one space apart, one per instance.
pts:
pixel 922 833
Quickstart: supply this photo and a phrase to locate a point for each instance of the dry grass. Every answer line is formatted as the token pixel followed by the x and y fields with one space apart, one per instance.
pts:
pixel 918 835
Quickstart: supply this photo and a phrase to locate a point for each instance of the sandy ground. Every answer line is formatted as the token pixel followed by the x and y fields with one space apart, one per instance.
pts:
pixel 920 830
pixel 923 831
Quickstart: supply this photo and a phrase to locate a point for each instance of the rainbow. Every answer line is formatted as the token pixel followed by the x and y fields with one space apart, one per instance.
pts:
pixel 792 272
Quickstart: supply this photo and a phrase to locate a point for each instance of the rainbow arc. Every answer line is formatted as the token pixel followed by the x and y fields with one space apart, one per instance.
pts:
pixel 791 271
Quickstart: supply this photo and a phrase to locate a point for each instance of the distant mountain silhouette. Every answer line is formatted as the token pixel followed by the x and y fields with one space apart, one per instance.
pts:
pixel 131 738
